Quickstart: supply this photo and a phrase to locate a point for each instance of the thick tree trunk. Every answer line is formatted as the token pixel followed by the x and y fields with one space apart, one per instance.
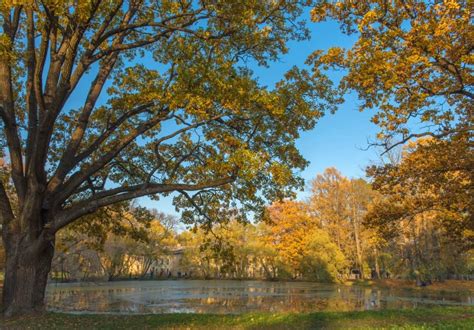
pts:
pixel 26 274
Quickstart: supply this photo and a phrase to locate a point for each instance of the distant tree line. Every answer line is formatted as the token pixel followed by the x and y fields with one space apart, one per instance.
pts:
pixel 400 225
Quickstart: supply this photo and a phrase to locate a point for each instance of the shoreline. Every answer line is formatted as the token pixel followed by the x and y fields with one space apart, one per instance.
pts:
pixel 445 285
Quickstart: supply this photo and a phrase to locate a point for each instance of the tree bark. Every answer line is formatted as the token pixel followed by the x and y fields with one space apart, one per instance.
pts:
pixel 377 266
pixel 28 263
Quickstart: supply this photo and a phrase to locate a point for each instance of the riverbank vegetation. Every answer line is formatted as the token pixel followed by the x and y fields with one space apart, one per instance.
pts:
pixel 337 234
pixel 432 318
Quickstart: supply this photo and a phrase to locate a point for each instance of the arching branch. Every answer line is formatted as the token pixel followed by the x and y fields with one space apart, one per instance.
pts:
pixel 121 194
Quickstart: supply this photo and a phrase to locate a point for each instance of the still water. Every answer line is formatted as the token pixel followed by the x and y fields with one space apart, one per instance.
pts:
pixel 195 296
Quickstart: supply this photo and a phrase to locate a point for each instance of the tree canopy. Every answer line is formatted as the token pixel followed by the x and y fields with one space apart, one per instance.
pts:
pixel 411 64
pixel 191 118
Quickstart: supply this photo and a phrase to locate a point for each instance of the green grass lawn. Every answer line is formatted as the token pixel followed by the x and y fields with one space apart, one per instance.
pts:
pixel 433 318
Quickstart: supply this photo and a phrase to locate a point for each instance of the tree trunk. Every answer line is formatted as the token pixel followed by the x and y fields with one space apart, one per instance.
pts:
pixel 377 266
pixel 26 274
pixel 355 226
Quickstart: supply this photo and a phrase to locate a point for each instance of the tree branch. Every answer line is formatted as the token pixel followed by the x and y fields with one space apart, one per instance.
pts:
pixel 30 90
pixel 7 112
pixel 77 179
pixel 67 161
pixel 406 138
pixel 121 194
pixel 6 213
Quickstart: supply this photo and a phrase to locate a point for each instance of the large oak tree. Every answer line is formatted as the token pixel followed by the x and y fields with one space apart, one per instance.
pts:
pixel 105 101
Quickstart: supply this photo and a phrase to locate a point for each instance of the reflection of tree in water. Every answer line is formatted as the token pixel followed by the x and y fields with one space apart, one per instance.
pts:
pixel 237 297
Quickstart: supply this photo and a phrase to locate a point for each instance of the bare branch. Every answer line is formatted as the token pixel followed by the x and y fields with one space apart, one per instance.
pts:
pixel 389 146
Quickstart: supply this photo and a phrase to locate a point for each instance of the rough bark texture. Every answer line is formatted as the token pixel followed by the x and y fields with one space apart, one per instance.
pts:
pixel 26 275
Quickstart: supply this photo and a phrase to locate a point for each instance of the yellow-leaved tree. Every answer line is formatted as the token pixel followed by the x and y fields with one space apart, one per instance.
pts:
pixel 411 63
pixel 426 205
pixel 412 66
pixel 339 204
pixel 303 248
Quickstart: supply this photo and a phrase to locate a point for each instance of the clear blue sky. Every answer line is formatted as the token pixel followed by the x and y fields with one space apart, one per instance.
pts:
pixel 337 140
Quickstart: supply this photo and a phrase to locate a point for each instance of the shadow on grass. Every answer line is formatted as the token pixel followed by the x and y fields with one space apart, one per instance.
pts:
pixel 437 317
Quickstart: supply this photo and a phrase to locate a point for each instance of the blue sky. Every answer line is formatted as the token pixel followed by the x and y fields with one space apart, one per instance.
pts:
pixel 337 140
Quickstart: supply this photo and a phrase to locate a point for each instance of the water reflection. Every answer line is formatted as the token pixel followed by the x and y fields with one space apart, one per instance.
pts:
pixel 236 297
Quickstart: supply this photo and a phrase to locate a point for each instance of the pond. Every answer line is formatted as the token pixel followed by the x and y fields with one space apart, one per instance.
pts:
pixel 224 297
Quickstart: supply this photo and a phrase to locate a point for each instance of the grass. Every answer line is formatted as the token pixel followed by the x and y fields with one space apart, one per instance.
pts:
pixel 446 286
pixel 426 318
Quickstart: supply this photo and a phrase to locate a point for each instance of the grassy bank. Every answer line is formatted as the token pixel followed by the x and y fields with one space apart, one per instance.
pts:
pixel 434 318
pixel 447 286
